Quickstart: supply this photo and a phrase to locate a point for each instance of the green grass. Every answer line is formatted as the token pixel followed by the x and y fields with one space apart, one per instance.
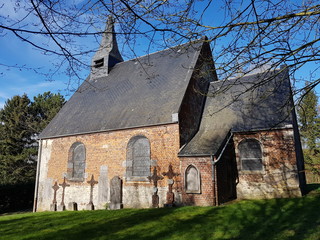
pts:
pixel 296 218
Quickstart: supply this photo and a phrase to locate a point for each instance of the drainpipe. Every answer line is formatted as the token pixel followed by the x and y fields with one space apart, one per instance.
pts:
pixel 213 161
pixel 35 202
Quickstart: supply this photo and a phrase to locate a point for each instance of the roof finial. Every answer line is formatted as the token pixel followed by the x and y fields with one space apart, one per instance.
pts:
pixel 108 53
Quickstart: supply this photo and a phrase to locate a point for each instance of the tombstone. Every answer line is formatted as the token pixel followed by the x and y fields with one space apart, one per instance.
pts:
pixel 115 193
pixel 103 189
pixel 155 178
pixel 92 182
pixel 62 207
pixel 53 206
pixel 72 206
pixel 170 195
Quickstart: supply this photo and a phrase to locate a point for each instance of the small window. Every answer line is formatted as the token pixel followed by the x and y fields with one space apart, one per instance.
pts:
pixel 99 63
pixel 192 180
pixel 250 155
pixel 138 159
pixel 76 162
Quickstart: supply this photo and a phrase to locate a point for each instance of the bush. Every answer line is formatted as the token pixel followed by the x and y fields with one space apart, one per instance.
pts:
pixel 16 197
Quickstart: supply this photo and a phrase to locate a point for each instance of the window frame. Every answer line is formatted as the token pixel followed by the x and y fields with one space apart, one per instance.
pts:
pixel 130 160
pixel 71 163
pixel 198 177
pixel 242 159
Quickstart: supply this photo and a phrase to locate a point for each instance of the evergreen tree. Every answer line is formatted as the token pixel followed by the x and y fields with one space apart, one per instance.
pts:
pixel 21 121
pixel 309 120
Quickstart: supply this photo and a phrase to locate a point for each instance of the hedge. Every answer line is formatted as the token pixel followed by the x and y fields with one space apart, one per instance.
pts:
pixel 17 197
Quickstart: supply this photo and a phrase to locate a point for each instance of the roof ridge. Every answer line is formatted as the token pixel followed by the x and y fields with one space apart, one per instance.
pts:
pixel 167 49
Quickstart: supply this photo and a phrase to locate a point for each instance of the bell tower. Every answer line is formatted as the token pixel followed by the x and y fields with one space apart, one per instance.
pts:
pixel 108 53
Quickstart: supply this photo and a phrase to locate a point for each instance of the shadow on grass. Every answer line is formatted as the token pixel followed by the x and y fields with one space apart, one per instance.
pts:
pixel 295 218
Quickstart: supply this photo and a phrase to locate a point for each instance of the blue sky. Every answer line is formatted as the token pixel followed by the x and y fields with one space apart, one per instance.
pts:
pixel 17 81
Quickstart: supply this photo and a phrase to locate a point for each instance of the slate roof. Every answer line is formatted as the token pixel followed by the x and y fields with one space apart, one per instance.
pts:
pixel 254 102
pixel 140 92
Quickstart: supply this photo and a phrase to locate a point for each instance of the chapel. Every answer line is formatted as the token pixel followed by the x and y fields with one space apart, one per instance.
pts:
pixel 162 130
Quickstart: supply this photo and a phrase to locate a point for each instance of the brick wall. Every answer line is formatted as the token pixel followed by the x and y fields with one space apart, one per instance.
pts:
pixel 108 149
pixel 279 178
pixel 204 166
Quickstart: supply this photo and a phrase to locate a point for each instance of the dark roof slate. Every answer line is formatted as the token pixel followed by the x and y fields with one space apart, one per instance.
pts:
pixel 255 102
pixel 140 92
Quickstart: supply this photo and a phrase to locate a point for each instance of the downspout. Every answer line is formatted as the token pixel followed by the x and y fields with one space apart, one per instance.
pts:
pixel 214 161
pixel 35 202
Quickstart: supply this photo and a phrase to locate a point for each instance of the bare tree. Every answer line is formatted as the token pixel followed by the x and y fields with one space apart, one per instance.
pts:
pixel 245 35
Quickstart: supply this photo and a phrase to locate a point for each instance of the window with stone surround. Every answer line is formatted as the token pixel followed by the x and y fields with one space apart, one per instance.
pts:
pixel 76 162
pixel 192 180
pixel 138 159
pixel 250 155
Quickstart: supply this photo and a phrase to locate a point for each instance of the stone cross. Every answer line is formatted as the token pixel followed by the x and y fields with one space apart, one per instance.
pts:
pixel 55 189
pixel 170 195
pixel 92 182
pixel 63 185
pixel 155 178
pixel 53 206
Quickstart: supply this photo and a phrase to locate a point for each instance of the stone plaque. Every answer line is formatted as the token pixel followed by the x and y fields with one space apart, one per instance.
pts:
pixel 116 193
pixel 192 180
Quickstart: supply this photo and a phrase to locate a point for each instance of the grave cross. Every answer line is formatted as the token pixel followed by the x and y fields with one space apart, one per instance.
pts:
pixel 63 185
pixel 92 182
pixel 55 189
pixel 170 195
pixel 155 178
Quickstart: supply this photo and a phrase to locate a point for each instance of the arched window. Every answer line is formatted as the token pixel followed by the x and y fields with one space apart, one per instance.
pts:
pixel 192 179
pixel 77 162
pixel 138 159
pixel 250 155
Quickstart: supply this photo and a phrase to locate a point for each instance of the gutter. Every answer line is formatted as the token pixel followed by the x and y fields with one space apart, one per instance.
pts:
pixel 35 202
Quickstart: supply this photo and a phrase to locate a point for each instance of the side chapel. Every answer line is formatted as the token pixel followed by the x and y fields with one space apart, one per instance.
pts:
pixel 162 130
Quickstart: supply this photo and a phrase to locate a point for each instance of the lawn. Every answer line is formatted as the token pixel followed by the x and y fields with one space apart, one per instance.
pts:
pixel 295 218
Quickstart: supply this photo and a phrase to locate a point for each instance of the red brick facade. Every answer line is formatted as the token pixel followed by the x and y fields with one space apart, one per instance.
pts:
pixel 279 177
pixel 110 149
pixel 206 195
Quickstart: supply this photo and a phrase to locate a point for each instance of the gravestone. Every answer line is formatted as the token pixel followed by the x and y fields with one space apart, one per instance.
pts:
pixel 155 178
pixel 72 206
pixel 115 193
pixel 62 207
pixel 103 189
pixel 92 182
pixel 170 195
pixel 53 206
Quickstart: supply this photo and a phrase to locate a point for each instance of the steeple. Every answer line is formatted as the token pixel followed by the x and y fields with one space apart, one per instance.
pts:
pixel 108 53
